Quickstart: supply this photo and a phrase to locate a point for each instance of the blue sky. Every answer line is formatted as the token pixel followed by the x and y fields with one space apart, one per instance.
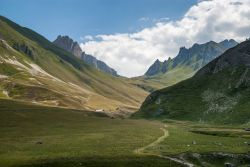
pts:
pixel 78 18
pixel 129 35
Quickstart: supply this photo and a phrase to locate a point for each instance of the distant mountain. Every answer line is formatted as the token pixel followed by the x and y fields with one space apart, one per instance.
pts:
pixel 183 66
pixel 195 57
pixel 34 70
pixel 73 47
pixel 218 92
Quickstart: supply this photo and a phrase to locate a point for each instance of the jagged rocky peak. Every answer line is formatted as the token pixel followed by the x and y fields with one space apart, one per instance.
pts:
pixel 238 56
pixel 228 43
pixel 100 65
pixel 194 57
pixel 157 61
pixel 65 42
pixel 155 68
pixel 183 49
pixel 68 44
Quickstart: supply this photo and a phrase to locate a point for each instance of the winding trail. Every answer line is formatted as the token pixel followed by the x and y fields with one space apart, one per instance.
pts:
pixel 141 151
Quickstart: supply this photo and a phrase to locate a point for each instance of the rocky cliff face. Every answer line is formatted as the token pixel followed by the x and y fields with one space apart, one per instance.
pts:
pixel 195 57
pixel 100 65
pixel 156 68
pixel 235 57
pixel 68 44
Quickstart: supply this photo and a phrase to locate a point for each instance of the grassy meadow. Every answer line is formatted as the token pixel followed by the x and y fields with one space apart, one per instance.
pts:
pixel 42 136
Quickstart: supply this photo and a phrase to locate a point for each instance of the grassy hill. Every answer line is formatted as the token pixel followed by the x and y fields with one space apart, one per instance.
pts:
pixel 218 93
pixel 34 69
pixel 159 81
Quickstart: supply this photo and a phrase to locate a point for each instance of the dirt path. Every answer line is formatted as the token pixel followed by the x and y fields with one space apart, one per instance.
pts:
pixel 141 151
pixel 159 140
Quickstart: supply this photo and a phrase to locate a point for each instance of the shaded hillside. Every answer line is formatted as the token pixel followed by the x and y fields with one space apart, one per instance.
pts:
pixel 219 92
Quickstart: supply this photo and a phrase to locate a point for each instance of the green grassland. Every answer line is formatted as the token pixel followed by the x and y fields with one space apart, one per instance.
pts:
pixel 71 137
pixel 196 143
pixel 33 135
pixel 183 134
pixel 152 83
pixel 43 136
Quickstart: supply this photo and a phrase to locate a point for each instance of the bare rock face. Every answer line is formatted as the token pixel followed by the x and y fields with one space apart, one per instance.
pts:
pixel 68 44
pixel 194 57
pixel 73 47
pixel 238 56
pixel 100 65
pixel 155 68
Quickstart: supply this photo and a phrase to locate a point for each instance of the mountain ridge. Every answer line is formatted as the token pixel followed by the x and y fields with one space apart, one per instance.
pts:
pixel 67 43
pixel 217 93
pixel 191 56
pixel 183 66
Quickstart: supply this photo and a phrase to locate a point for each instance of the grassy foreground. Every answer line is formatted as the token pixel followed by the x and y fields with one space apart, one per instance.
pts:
pixel 43 136
pixel 54 137
pixel 205 145
pixel 200 138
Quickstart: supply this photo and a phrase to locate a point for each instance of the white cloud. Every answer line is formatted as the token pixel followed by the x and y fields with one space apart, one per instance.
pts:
pixel 132 54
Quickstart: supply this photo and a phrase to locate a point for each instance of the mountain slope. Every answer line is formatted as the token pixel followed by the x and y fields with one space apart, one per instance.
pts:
pixel 184 65
pixel 219 92
pixel 195 57
pixel 73 47
pixel 35 70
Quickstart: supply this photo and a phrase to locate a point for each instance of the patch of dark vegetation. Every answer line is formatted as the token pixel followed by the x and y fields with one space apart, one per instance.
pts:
pixel 24 48
pixel 217 159
pixel 221 133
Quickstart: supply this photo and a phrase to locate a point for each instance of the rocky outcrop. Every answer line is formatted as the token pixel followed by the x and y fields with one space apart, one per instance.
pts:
pixel 100 65
pixel 73 47
pixel 195 57
pixel 154 69
pixel 235 57
pixel 66 43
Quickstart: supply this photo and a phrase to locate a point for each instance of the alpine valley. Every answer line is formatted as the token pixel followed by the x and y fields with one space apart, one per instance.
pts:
pixel 63 107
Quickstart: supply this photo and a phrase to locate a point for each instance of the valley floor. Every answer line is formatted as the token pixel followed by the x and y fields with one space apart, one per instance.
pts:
pixel 52 137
